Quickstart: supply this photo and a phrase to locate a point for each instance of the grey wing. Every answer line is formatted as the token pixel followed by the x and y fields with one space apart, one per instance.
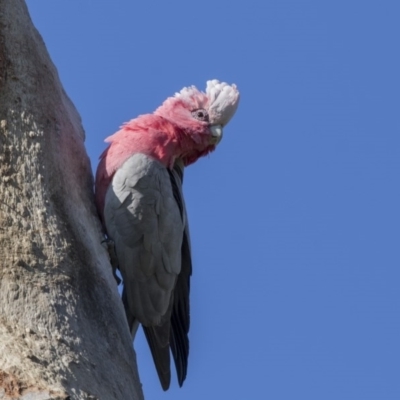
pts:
pixel 145 222
pixel 180 317
pixel 143 219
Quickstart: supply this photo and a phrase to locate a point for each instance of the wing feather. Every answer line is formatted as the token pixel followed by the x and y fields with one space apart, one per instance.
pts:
pixel 143 219
pixel 145 215
pixel 180 316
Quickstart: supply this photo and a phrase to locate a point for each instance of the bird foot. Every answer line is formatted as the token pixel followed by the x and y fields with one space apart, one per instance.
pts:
pixel 110 247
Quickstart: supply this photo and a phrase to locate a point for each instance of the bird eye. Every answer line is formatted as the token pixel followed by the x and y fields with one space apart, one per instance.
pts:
pixel 200 114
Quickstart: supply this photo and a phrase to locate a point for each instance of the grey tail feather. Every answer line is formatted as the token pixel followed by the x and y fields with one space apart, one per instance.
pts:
pixel 160 353
pixel 156 337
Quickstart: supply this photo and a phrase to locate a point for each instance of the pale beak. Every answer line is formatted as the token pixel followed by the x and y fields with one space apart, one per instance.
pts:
pixel 216 133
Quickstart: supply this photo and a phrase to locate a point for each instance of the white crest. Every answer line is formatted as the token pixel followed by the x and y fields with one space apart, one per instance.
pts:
pixel 187 92
pixel 224 100
pixel 220 99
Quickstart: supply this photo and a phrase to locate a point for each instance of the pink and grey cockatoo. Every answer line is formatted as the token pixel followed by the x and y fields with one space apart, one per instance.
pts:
pixel 139 198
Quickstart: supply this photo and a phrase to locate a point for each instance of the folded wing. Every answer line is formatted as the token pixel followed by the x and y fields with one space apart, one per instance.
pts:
pixel 145 215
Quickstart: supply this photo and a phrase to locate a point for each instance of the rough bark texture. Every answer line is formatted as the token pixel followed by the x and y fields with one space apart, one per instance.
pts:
pixel 63 333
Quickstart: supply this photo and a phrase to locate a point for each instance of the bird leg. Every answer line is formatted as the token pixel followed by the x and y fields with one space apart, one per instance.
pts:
pixel 110 247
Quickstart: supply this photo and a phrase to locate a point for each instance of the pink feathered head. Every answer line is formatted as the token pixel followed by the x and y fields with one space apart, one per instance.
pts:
pixel 220 100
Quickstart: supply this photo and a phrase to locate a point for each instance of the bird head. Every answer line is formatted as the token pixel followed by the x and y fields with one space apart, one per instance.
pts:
pixel 202 115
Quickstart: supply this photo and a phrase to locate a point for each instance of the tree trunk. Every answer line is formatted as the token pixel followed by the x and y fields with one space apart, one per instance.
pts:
pixel 63 333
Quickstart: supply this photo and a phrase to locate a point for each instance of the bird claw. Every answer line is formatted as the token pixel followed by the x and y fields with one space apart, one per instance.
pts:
pixel 110 247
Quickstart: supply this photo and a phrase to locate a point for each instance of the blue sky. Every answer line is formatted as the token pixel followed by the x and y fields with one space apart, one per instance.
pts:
pixel 295 219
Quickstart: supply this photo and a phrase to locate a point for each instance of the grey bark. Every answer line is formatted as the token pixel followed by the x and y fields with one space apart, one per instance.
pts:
pixel 63 333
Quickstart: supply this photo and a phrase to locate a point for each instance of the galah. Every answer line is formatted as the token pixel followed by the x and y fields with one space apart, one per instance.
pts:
pixel 140 201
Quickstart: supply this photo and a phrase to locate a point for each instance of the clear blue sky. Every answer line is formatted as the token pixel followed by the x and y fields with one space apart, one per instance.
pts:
pixel 295 218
